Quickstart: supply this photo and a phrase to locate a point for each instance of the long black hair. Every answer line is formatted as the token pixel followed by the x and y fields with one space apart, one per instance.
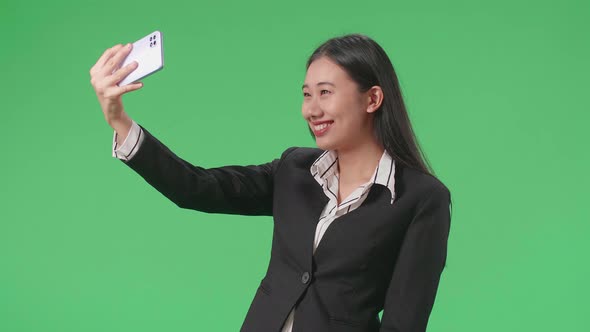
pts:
pixel 368 65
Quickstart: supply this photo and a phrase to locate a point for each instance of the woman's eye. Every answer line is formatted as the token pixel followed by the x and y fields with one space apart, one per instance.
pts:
pixel 305 94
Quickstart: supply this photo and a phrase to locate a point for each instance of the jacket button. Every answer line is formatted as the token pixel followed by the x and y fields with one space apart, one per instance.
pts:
pixel 305 277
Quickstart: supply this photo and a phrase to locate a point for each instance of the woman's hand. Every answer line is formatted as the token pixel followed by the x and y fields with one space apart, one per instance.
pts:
pixel 104 76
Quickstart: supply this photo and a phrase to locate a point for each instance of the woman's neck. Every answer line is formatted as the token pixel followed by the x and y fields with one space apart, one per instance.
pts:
pixel 357 165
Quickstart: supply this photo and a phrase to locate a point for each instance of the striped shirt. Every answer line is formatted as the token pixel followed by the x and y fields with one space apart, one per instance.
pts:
pixel 325 172
pixel 131 144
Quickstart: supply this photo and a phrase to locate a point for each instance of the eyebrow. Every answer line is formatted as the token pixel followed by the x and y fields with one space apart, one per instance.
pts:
pixel 320 83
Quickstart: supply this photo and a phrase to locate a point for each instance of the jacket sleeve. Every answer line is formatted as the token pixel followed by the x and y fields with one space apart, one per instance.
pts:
pixel 245 190
pixel 422 256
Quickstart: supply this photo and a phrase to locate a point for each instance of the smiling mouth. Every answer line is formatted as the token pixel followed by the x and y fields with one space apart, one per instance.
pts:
pixel 322 126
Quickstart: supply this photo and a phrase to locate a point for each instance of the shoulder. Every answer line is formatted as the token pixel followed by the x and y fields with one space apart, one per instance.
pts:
pixel 300 156
pixel 412 182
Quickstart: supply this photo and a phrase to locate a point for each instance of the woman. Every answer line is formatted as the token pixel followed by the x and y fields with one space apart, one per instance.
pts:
pixel 360 224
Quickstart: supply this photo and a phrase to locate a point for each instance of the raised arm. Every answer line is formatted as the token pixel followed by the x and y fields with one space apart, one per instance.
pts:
pixel 246 190
pixel 413 286
pixel 229 189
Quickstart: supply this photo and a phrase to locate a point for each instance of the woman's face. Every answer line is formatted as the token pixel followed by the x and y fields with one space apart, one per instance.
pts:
pixel 338 114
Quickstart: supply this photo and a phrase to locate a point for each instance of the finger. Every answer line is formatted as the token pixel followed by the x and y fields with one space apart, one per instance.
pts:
pixel 109 54
pixel 116 91
pixel 121 73
pixel 105 56
pixel 115 61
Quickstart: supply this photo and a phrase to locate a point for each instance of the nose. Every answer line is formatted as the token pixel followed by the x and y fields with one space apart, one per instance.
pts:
pixel 311 109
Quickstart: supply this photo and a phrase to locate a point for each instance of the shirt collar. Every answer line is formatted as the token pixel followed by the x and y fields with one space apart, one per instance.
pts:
pixel 325 167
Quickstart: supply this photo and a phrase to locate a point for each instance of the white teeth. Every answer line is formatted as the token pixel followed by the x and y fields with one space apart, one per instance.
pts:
pixel 322 126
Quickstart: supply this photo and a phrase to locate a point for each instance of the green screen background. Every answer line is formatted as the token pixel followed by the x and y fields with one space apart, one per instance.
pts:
pixel 497 93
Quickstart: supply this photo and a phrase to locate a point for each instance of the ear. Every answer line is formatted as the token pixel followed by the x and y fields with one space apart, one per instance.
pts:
pixel 374 98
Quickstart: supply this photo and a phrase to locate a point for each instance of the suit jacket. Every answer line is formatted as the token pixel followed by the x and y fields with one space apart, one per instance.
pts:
pixel 380 256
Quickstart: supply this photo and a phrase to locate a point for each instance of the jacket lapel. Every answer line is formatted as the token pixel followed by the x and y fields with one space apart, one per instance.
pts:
pixel 377 198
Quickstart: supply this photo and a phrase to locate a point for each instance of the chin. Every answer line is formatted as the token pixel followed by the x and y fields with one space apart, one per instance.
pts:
pixel 324 144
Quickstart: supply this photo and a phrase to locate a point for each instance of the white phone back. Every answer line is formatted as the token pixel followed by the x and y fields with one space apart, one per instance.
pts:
pixel 149 54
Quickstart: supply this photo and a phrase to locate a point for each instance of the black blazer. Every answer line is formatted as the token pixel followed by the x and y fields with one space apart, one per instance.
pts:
pixel 378 256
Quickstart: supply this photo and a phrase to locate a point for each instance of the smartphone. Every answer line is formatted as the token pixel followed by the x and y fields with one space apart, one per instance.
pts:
pixel 149 54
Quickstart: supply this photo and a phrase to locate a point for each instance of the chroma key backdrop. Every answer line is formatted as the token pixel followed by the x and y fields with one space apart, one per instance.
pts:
pixel 497 92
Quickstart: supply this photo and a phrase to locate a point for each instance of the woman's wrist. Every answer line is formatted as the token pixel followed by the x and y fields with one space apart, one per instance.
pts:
pixel 122 126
